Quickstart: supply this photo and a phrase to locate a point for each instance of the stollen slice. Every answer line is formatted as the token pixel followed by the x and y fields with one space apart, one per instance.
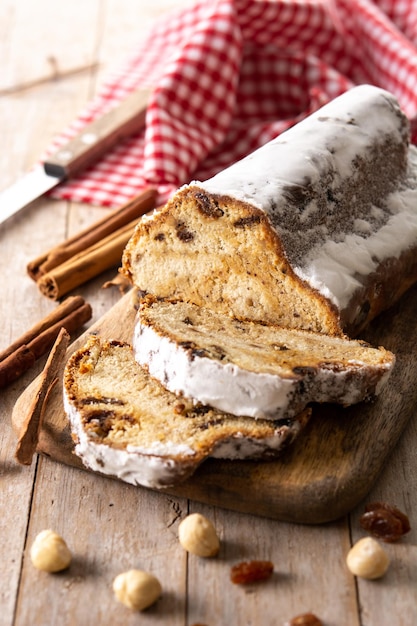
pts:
pixel 253 369
pixel 126 424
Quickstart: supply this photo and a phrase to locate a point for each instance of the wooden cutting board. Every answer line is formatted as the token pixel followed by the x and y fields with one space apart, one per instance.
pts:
pixel 323 475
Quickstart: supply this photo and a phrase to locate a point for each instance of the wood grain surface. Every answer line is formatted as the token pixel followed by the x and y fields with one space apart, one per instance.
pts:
pixel 322 476
pixel 54 56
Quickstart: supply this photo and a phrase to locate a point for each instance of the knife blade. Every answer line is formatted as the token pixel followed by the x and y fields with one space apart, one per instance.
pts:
pixel 77 154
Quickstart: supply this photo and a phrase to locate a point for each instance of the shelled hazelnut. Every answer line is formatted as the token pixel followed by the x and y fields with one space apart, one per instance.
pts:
pixel 197 535
pixel 137 589
pixel 367 559
pixel 49 552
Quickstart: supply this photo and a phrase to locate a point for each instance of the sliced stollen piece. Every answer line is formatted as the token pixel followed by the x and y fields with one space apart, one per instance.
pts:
pixel 127 425
pixel 317 229
pixel 249 368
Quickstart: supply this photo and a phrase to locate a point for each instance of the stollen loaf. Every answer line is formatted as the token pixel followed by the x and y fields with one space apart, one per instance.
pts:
pixel 316 230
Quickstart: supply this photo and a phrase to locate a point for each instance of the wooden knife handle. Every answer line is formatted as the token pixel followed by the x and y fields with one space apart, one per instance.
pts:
pixel 96 138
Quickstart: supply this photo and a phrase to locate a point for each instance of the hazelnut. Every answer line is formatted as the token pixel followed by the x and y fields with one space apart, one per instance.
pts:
pixel 49 552
pixel 136 589
pixel 367 559
pixel 198 536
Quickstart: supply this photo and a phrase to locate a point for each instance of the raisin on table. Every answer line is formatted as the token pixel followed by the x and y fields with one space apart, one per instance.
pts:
pixel 248 572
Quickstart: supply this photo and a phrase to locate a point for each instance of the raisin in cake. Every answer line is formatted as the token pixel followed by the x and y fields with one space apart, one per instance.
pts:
pixel 316 229
pixel 249 368
pixel 127 425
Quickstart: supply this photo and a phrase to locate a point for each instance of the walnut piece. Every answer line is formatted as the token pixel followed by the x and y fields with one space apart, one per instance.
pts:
pixel 49 552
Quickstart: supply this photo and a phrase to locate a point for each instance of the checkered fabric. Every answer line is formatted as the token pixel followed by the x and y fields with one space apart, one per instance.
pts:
pixel 230 75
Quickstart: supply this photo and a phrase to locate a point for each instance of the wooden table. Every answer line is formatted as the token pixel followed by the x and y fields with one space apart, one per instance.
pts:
pixel 110 526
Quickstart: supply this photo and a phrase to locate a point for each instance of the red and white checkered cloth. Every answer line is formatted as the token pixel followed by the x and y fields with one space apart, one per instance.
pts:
pixel 230 75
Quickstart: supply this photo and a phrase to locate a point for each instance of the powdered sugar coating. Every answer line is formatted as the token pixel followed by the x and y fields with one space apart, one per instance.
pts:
pixel 302 178
pixel 335 268
pixel 251 392
pixel 156 467
pixel 132 465
pixel 226 387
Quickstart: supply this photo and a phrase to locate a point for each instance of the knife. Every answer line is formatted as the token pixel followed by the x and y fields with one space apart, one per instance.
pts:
pixel 76 155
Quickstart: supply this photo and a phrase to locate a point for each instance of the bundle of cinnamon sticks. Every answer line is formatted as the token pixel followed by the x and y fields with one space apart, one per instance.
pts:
pixel 92 251
pixel 21 355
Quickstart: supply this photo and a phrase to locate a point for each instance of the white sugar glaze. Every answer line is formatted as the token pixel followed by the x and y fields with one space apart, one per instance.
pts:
pixel 163 464
pixel 225 387
pixel 132 465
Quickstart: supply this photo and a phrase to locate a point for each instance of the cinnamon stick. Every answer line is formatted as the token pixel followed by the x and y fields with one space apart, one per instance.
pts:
pixel 89 263
pixel 29 435
pixel 21 355
pixel 66 307
pixel 71 322
pixel 131 210
pixel 16 364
